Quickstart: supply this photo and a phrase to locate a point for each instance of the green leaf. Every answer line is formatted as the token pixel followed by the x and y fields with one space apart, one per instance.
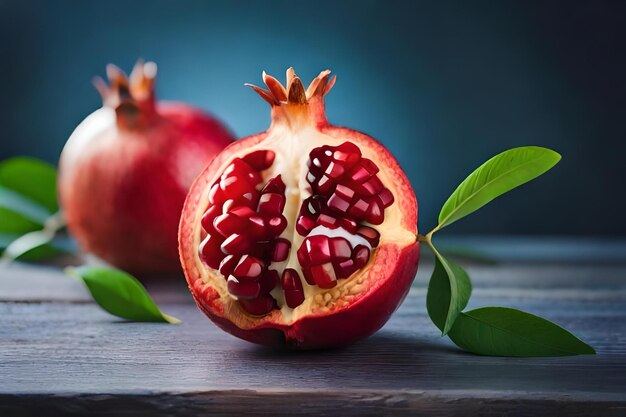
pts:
pixel 31 178
pixel 120 294
pixel 501 331
pixel 14 222
pixel 449 291
pixel 495 177
pixel 32 246
pixel 26 207
pixel 6 239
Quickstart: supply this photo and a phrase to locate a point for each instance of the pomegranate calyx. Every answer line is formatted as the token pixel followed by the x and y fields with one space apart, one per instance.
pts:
pixel 292 103
pixel 132 97
pixel 294 93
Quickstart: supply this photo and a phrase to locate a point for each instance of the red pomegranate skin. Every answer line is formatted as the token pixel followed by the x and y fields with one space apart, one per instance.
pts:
pixel 125 172
pixel 391 275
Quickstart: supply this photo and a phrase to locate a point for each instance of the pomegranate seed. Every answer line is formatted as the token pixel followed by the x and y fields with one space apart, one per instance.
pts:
pixel 258 306
pixel 228 206
pixel 344 192
pixel 304 225
pixel 371 187
pixel 227 224
pixel 324 154
pixel 242 211
pixel 236 244
pixel 291 280
pixel 340 248
pixel 268 281
pixel 385 197
pixel 315 205
pixel 276 225
pixel 349 225
pixel 248 268
pixel 328 221
pixel 239 168
pixel 210 251
pixel 325 185
pixel 345 268
pixel 361 256
pixel 364 170
pixel 315 161
pixel 334 170
pixel 216 195
pixel 292 287
pixel 254 178
pixel 315 166
pixel 260 160
pixel 371 235
pixel 250 199
pixel 317 249
pixel 303 257
pixel 271 203
pixel 243 289
pixel 230 169
pixel 245 200
pixel 358 209
pixel 228 264
pixel 348 153
pixel 207 218
pixel 338 204
pixel 324 275
pixel 274 185
pixel 261 249
pixel 257 228
pixel 375 213
pixel 280 251
pixel 308 276
pixel 235 187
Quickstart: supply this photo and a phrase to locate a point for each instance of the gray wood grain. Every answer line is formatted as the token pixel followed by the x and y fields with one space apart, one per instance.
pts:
pixel 61 355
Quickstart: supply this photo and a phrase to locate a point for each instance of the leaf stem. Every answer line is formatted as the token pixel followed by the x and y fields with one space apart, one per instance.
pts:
pixel 427 239
pixel 54 223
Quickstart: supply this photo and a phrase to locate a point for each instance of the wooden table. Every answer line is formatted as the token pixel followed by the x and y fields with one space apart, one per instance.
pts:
pixel 61 355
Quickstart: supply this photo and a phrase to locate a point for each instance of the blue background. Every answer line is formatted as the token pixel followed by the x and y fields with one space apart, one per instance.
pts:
pixel 444 86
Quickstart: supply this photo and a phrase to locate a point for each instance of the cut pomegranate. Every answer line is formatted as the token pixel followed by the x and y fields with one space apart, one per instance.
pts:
pixel 303 235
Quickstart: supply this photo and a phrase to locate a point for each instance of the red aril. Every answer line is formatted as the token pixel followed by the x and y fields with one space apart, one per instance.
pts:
pixel 313 239
pixel 125 171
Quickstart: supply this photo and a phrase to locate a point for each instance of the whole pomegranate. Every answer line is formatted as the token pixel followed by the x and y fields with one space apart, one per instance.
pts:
pixel 126 169
pixel 303 235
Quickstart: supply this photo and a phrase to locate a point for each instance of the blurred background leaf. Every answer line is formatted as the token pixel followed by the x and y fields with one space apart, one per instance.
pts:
pixel 14 222
pixel 35 246
pixel 31 178
pixel 16 202
pixel 29 216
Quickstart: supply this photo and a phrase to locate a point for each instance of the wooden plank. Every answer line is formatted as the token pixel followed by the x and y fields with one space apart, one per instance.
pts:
pixel 306 403
pixel 79 349
pixel 60 355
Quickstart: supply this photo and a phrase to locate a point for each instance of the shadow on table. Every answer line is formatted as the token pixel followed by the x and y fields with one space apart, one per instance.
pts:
pixel 378 354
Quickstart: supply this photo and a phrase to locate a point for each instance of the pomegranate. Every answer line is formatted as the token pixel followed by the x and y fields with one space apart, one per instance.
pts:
pixel 303 235
pixel 126 169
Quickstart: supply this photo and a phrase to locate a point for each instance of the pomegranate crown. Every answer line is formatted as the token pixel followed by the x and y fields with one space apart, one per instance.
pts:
pixel 123 91
pixel 294 92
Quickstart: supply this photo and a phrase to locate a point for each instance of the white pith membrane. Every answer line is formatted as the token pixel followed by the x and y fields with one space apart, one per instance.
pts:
pixel 292 143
